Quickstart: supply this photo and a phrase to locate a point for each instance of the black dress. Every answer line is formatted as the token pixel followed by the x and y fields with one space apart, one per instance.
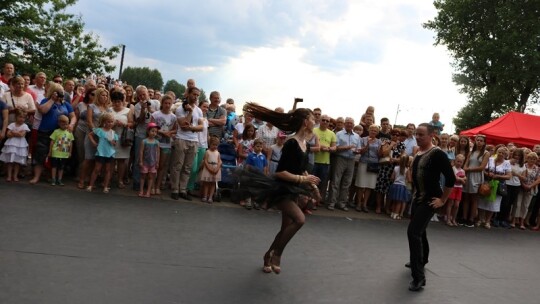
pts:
pixel 271 189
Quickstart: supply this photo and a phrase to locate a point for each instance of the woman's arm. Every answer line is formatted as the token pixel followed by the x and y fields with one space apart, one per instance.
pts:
pixel 483 165
pixel 90 117
pixel 130 117
pixel 141 152
pixel 5 114
pixel 72 121
pixel 298 179
pixel 46 107
pixel 157 157
pixel 317 146
pixel 92 139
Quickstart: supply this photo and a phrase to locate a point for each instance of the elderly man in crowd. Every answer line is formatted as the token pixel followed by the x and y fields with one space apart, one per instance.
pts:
pixel 216 115
pixel 348 144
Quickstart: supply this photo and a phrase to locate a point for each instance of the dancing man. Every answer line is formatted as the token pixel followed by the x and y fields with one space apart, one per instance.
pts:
pixel 428 165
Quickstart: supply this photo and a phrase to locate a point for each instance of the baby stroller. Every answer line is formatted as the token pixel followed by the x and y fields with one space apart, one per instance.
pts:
pixel 227 184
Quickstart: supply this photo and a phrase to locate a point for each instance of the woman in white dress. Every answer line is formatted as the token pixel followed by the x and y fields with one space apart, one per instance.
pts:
pixel 123 118
pixel 500 169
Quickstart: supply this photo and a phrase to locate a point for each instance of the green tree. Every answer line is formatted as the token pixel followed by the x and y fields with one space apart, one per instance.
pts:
pixel 143 76
pixel 176 87
pixel 202 97
pixel 39 35
pixel 495 45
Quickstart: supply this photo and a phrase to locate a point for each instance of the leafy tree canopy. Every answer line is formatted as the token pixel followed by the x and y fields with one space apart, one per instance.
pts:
pixel 143 76
pixel 39 35
pixel 495 45
pixel 176 87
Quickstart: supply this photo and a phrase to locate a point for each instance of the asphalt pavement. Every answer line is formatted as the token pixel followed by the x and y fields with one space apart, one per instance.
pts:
pixel 63 245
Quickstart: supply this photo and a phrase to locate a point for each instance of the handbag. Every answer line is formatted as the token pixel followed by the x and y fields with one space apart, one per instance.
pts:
pixel 373 167
pixel 501 189
pixel 127 137
pixel 494 185
pixel 484 189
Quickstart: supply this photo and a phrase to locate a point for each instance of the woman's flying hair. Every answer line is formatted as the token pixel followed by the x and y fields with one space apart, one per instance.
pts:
pixel 289 122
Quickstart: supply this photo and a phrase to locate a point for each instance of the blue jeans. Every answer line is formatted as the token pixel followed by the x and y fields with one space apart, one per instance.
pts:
pixel 321 171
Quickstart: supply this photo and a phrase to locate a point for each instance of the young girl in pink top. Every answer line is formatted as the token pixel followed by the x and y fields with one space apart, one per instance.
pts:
pixel 454 199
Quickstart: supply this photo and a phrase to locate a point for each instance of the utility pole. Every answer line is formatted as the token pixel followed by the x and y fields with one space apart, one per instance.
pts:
pixel 397 112
pixel 121 62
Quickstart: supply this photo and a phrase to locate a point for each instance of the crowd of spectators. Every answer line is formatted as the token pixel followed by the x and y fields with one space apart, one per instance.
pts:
pixel 105 134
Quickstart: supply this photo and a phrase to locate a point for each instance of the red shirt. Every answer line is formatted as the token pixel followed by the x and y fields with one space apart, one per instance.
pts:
pixel 2 79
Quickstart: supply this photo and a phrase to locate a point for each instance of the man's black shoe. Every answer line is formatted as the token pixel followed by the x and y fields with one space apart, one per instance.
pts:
pixel 185 196
pixel 175 196
pixel 408 264
pixel 417 286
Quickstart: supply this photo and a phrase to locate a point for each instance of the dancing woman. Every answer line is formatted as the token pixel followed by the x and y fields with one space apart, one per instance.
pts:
pixel 291 183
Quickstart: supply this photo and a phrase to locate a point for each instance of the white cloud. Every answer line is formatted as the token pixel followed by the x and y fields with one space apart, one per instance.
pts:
pixel 400 67
pixel 415 77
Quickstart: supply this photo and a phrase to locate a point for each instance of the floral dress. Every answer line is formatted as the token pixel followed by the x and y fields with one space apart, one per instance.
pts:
pixel 385 171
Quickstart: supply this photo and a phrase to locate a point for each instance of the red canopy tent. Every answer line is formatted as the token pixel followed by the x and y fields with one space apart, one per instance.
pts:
pixel 521 129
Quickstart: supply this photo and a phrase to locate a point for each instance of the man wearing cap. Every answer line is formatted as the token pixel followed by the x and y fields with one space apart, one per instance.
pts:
pixel 190 121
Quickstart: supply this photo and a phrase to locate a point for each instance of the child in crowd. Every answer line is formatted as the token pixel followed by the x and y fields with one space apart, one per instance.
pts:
pixel 60 150
pixel 105 139
pixel 452 206
pixel 274 153
pixel 435 122
pixel 15 150
pixel 211 170
pixel 245 146
pixel 398 192
pixel 166 121
pixel 149 159
pixel 256 160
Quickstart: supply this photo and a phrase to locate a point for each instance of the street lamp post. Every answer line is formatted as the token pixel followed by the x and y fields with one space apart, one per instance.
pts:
pixel 121 62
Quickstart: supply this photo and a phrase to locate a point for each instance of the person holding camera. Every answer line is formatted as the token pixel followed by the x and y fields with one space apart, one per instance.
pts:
pixel 142 111
pixel 190 122
pixel 50 108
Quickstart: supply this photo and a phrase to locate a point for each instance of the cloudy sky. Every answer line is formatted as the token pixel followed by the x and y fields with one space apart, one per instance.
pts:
pixel 339 55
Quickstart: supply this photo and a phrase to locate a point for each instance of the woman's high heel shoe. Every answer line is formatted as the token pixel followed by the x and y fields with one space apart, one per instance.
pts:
pixel 267 268
pixel 276 261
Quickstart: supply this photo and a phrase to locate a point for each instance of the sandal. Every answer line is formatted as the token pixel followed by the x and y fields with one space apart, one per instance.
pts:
pixel 275 261
pixel 121 185
pixel 153 191
pixel 267 268
pixel 522 227
pixel 106 190
pixel 158 191
pixel 80 185
pixel 141 194
pixel 89 189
